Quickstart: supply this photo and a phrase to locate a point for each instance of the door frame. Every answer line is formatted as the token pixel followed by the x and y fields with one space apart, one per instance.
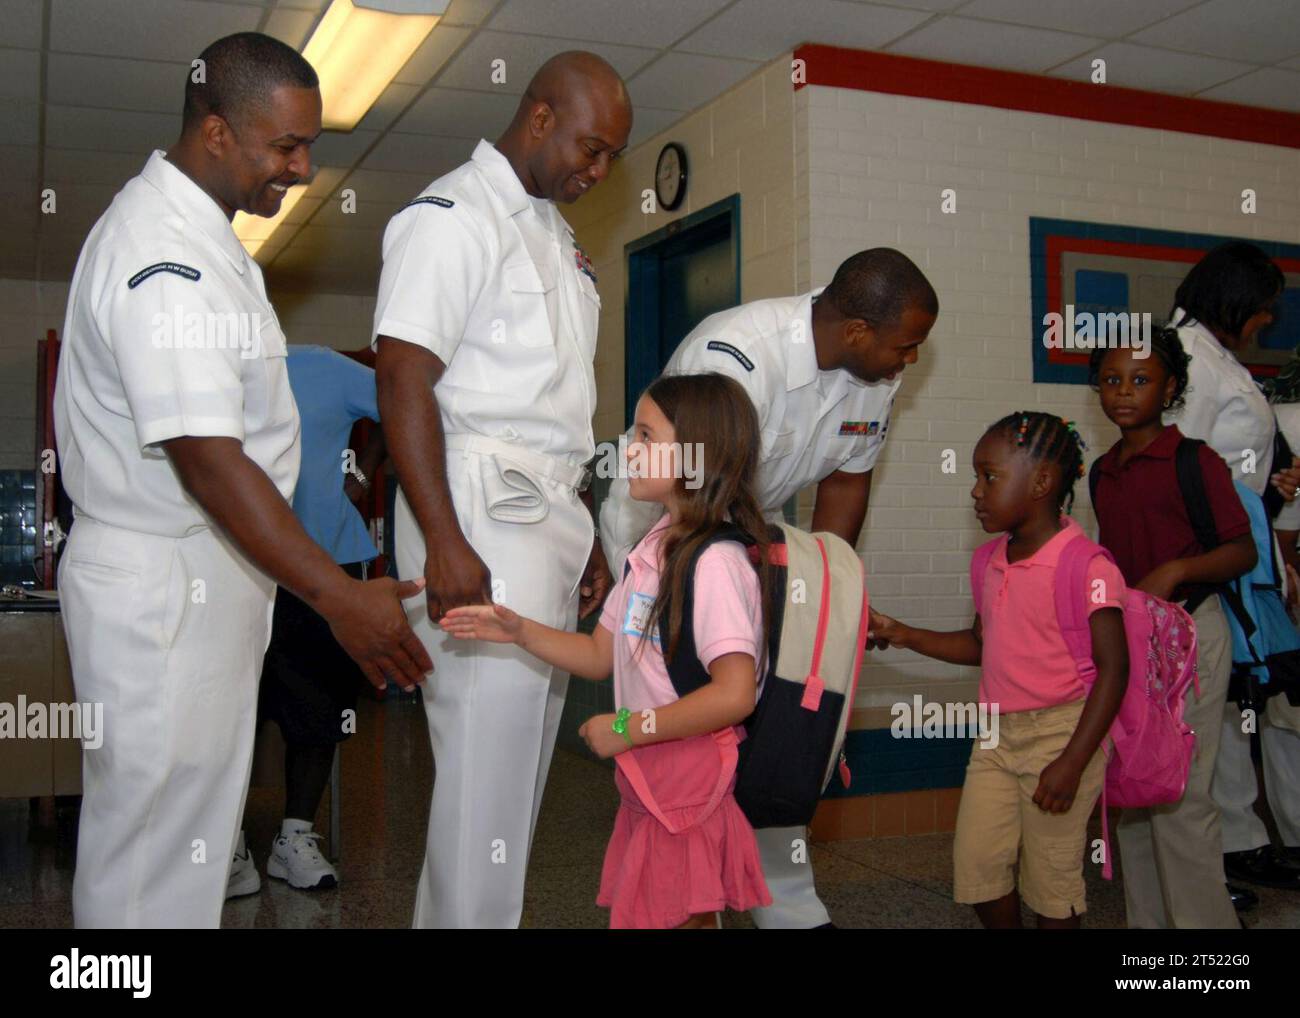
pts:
pixel 641 318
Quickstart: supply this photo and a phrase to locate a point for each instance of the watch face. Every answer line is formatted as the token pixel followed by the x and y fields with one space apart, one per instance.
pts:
pixel 670 175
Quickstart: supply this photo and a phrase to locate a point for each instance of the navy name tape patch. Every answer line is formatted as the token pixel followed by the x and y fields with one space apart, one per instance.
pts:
pixel 721 347
pixel 445 203
pixel 175 267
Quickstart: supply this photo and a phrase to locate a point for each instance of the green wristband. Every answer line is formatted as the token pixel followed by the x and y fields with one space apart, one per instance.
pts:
pixel 619 724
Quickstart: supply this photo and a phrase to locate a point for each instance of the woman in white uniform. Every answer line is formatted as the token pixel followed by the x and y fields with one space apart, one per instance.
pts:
pixel 1222 303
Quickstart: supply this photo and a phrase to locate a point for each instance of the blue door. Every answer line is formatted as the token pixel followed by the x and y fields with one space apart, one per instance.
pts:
pixel 677 277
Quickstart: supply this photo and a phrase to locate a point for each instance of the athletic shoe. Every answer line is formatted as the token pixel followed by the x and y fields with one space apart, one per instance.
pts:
pixel 295 858
pixel 243 879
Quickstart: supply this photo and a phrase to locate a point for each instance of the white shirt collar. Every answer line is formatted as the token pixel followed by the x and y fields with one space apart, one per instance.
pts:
pixel 501 175
pixel 195 206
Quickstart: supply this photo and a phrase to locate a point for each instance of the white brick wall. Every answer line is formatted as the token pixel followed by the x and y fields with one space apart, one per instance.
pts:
pixel 876 165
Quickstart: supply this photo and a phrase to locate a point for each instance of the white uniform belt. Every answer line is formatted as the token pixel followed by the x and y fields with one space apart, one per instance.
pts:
pixel 549 467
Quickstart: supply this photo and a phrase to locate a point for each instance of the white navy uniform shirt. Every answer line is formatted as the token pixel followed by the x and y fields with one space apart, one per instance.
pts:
pixel 1224 407
pixel 169 332
pixel 812 422
pixel 493 282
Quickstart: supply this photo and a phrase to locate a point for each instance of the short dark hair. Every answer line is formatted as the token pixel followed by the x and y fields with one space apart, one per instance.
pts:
pixel 1046 438
pixel 878 285
pixel 1230 285
pixel 1168 350
pixel 239 72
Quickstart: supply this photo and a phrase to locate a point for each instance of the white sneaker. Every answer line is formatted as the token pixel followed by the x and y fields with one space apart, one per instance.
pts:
pixel 295 858
pixel 243 877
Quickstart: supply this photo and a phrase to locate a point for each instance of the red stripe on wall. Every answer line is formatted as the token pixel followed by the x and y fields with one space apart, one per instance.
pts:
pixel 1036 93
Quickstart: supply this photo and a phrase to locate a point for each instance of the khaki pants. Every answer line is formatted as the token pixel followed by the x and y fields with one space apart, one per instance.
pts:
pixel 1173 854
pixel 998 823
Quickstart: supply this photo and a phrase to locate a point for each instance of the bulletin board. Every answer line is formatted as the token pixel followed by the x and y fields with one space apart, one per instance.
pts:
pixel 1119 269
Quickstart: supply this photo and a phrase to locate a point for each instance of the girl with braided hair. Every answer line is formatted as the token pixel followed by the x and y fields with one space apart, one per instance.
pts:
pixel 1028 795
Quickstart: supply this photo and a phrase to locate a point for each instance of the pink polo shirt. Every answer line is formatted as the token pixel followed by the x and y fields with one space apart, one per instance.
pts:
pixel 728 617
pixel 1026 663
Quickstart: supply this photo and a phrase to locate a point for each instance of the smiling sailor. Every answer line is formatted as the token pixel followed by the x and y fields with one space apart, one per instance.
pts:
pixel 486 331
pixel 822 370
pixel 179 457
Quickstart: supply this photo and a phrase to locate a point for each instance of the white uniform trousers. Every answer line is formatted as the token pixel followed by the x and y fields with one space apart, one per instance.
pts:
pixel 1236 787
pixel 168 634
pixel 493 709
pixel 795 905
pixel 1173 854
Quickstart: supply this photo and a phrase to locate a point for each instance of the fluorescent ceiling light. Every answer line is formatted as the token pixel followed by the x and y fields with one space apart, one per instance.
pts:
pixel 254 231
pixel 357 52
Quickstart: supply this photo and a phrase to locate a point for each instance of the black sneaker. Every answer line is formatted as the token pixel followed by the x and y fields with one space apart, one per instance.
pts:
pixel 1289 856
pixel 1243 900
pixel 1261 867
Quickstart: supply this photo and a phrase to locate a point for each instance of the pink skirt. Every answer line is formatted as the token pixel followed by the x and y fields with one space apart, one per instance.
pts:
pixel 654 879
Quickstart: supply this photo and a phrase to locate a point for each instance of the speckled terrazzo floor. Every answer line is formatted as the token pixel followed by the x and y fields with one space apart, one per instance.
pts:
pixel 387 771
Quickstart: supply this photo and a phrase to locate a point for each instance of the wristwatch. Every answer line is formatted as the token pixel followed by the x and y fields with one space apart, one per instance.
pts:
pixel 619 724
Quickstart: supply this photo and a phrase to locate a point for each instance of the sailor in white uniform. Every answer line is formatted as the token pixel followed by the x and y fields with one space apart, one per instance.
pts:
pixel 178 443
pixel 822 371
pixel 486 331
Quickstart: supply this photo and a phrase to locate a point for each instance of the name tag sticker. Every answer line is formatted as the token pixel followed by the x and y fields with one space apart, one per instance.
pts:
pixel 637 615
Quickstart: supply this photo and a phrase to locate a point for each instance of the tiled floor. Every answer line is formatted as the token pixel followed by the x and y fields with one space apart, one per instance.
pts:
pixel 888 882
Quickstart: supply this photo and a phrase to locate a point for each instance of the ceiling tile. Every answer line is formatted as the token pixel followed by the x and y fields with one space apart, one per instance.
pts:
pixel 924 5
pixel 304 5
pixel 20 74
pixel 523 55
pixel 468 12
pixel 336 148
pixel 458 114
pixel 634 22
pixel 963 41
pixel 762 29
pixel 19 163
pixel 389 188
pixel 22 21
pixel 143 85
pixel 1260 31
pixel 435 51
pixel 366 215
pixel 325 181
pixel 647 122
pixel 395 98
pixel 64 165
pixel 109 130
pixel 20 122
pixel 1269 86
pixel 1112 18
pixel 291 27
pixel 1159 70
pixel 683 81
pixel 419 153
pixel 154 29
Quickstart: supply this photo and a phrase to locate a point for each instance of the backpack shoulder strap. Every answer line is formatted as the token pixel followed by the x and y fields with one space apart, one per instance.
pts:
pixel 979 564
pixel 1070 594
pixel 684 669
pixel 1191 483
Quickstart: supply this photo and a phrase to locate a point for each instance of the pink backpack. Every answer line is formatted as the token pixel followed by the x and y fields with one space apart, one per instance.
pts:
pixel 1150 746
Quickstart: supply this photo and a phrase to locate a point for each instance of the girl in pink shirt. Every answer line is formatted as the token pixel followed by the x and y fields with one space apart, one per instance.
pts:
pixel 1029 793
pixel 682 849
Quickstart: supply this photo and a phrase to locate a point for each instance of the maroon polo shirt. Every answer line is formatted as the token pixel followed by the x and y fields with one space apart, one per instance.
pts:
pixel 1141 517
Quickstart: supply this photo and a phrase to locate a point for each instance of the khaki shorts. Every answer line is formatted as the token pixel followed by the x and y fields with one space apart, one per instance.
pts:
pixel 998 823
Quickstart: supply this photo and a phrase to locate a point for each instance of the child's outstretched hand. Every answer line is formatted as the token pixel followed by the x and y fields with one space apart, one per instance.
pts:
pixel 492 622
pixel 1057 786
pixel 885 632
pixel 598 733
